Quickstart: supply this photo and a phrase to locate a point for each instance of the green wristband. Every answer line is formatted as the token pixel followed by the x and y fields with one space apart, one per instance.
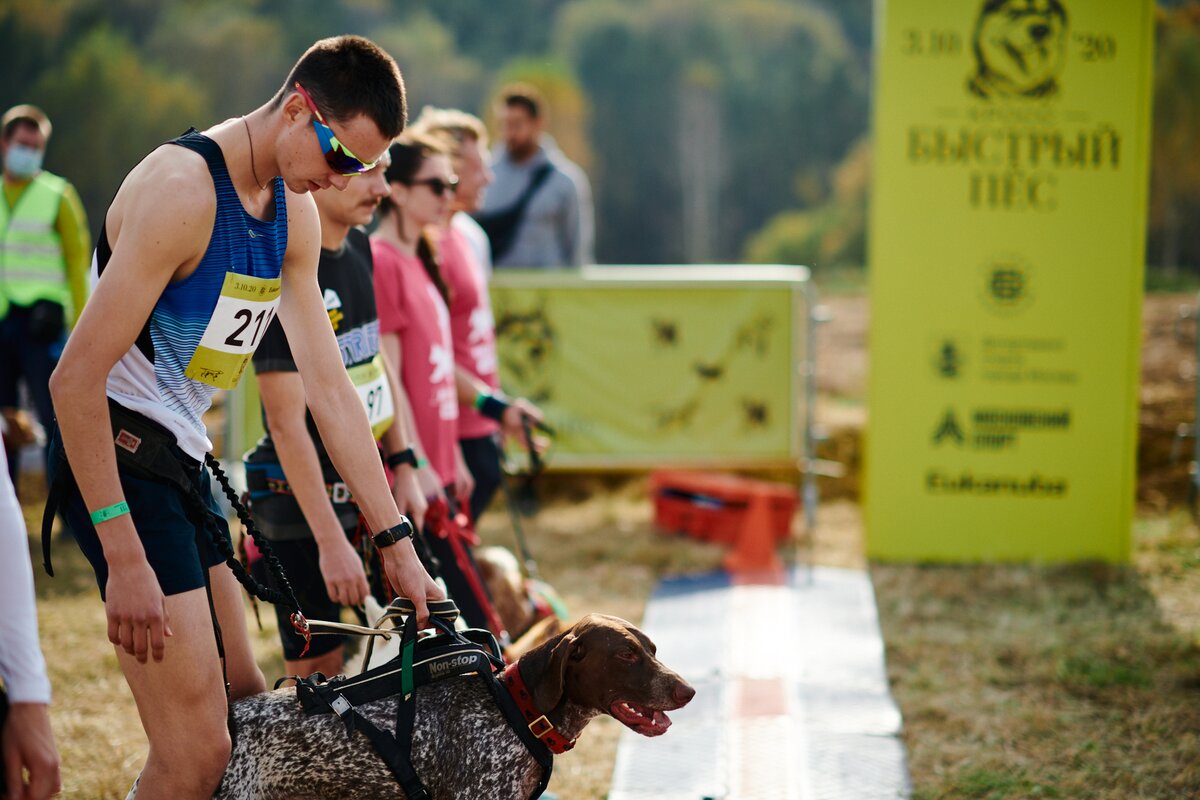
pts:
pixel 422 463
pixel 112 512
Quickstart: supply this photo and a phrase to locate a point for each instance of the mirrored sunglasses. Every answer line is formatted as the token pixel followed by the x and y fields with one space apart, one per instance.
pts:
pixel 337 155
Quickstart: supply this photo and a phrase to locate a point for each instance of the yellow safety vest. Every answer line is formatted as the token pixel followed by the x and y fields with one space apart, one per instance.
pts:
pixel 32 264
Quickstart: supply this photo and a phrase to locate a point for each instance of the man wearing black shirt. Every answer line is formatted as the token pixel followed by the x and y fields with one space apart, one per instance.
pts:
pixel 298 498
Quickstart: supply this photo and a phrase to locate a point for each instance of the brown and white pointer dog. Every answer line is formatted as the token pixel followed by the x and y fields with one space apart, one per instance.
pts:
pixel 462 746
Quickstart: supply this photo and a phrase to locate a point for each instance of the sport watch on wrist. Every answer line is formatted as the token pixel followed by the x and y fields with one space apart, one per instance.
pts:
pixel 396 533
pixel 405 456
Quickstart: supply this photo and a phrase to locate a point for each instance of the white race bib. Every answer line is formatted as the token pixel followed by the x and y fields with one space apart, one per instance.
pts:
pixel 243 313
pixel 376 394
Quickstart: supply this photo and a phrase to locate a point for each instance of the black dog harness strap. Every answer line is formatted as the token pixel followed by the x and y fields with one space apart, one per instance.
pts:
pixel 421 662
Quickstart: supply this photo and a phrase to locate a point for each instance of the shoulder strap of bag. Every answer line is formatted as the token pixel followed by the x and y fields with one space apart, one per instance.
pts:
pixel 501 225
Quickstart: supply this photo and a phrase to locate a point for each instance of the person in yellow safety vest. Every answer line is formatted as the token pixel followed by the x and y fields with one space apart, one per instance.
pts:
pixel 45 250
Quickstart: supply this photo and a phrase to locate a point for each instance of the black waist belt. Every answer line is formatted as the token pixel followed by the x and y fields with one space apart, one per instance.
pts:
pixel 267 479
pixel 144 450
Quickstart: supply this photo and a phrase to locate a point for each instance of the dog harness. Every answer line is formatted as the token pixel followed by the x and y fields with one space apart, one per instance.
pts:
pixel 452 539
pixel 422 661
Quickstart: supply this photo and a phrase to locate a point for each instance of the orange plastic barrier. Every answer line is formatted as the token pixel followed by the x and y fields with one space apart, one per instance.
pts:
pixel 752 516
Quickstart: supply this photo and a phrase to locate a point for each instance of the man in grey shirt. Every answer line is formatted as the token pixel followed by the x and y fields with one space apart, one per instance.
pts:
pixel 538 210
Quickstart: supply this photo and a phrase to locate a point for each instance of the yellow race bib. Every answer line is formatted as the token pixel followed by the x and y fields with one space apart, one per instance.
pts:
pixel 376 394
pixel 242 315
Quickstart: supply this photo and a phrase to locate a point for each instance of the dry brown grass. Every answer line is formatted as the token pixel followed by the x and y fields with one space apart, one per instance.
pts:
pixel 1014 682
pixel 1055 682
pixel 601 555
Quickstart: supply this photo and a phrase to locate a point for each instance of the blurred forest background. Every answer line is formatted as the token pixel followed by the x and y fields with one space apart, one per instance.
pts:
pixel 712 130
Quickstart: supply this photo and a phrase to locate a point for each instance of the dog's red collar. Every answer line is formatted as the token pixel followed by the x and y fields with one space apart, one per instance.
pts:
pixel 541 727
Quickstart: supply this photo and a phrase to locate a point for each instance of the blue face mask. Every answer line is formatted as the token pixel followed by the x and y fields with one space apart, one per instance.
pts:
pixel 22 161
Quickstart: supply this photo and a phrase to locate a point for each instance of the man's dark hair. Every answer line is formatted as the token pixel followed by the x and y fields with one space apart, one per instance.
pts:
pixel 524 96
pixel 347 76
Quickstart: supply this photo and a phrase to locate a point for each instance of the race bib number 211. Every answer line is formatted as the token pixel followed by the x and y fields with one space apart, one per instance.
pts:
pixel 244 311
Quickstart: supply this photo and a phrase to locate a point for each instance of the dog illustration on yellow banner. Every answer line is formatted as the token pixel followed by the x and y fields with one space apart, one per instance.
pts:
pixel 1020 46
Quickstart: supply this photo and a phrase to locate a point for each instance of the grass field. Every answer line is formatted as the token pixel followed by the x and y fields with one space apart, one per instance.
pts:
pixel 600 554
pixel 1014 682
pixel 1069 682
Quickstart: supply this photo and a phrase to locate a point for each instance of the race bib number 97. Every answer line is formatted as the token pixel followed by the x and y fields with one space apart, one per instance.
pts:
pixel 371 382
pixel 244 311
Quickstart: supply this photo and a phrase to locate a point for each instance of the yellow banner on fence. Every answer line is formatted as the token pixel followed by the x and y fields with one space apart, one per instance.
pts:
pixel 1007 246
pixel 657 366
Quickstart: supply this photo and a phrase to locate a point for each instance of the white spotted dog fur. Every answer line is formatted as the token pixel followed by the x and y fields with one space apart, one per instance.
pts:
pixel 462 745
pixel 501 573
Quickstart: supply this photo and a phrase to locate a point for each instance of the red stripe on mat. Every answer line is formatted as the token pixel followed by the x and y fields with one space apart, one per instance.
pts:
pixel 760 697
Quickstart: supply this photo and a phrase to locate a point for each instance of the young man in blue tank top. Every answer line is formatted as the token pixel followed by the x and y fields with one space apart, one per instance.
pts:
pixel 206 239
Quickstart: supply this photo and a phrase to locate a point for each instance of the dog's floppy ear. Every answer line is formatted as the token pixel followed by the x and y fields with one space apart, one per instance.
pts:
pixel 548 691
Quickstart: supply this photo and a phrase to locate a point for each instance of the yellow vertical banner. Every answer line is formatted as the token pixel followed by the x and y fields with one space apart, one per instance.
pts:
pixel 1007 249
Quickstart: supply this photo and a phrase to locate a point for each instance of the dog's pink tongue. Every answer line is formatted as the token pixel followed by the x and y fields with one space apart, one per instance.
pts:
pixel 658 724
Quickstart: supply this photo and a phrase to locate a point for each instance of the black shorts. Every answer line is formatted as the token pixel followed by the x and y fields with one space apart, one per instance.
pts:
pixel 167 530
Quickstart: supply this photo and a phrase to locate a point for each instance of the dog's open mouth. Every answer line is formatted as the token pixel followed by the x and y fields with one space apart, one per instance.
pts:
pixel 646 721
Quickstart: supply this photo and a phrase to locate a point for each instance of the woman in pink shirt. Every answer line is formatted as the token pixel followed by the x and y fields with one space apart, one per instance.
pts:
pixel 465 257
pixel 411 296
pixel 414 327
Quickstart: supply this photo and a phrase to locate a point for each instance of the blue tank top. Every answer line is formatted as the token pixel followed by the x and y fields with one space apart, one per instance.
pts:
pixel 203 329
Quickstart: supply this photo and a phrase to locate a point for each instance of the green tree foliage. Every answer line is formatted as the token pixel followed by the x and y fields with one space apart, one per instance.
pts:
pixel 490 32
pixel 786 89
pixel 31 38
pixel 435 73
pixel 831 234
pixel 710 129
pixel 617 61
pixel 253 58
pixel 111 108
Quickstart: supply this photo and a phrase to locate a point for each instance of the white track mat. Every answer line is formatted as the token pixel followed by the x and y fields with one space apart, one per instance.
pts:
pixel 792 698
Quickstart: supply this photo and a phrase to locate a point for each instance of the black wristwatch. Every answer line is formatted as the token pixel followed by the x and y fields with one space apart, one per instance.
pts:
pixel 396 533
pixel 405 456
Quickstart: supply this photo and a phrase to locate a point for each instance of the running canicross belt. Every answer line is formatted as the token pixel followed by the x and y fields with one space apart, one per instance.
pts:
pixel 145 449
pixel 264 479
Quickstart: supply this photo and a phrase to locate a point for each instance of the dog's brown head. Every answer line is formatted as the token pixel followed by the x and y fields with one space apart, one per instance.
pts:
pixel 606 665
